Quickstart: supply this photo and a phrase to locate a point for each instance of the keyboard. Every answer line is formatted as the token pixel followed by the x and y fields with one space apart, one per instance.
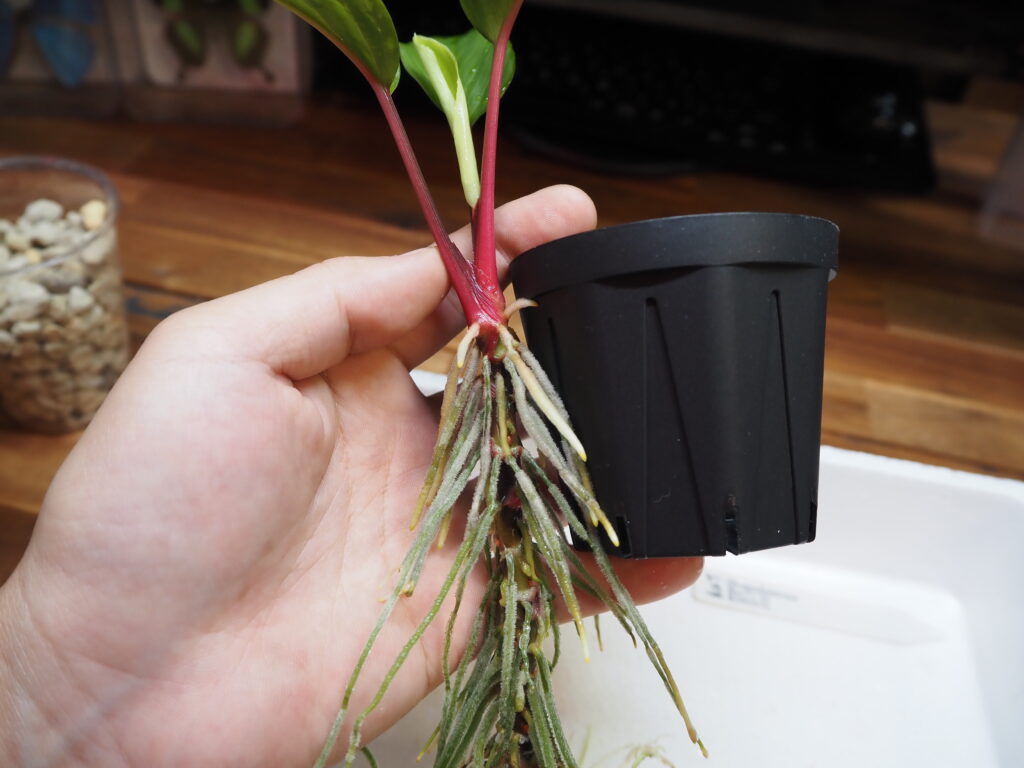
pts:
pixel 631 97
pixel 628 96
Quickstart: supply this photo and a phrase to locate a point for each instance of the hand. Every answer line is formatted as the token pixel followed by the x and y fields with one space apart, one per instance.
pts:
pixel 211 557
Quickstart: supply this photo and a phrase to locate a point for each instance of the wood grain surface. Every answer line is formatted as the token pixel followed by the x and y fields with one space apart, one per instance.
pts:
pixel 925 347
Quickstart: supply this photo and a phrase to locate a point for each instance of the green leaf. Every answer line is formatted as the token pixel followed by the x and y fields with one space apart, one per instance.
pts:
pixel 189 41
pixel 487 15
pixel 414 66
pixel 247 41
pixel 362 29
pixel 422 58
pixel 473 54
pixel 434 66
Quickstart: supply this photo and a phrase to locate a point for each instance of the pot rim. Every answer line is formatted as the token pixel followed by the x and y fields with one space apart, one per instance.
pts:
pixel 694 240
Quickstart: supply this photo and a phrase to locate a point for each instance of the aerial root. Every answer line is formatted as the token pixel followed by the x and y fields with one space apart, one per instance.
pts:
pixel 517 306
pixel 467 339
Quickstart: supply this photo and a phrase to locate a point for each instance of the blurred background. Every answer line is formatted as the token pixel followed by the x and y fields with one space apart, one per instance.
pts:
pixel 244 147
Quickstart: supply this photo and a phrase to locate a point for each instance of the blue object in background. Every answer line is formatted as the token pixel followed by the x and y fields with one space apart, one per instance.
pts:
pixel 61 30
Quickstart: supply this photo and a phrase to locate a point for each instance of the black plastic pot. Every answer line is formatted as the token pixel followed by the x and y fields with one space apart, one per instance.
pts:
pixel 689 352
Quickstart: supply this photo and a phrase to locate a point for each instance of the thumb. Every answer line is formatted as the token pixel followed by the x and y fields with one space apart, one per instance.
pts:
pixel 307 322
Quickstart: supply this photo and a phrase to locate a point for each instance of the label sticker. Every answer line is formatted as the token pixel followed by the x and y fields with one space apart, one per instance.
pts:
pixel 848 603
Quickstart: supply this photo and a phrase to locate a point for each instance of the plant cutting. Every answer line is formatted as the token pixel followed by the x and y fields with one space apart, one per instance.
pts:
pixel 505 442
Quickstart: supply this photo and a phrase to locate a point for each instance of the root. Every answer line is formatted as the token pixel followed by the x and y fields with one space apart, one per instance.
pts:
pixel 499 708
pixel 557 416
pixel 517 306
pixel 471 333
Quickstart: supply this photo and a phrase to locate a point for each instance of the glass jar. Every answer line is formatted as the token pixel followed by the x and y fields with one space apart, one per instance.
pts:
pixel 63 333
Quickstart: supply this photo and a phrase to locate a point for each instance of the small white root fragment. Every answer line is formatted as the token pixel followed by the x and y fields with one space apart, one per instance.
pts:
pixel 467 339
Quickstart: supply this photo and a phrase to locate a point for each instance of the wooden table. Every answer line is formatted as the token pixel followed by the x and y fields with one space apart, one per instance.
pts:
pixel 925 350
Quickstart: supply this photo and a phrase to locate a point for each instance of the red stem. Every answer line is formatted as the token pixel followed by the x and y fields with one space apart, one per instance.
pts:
pixel 479 306
pixel 484 246
pixel 473 303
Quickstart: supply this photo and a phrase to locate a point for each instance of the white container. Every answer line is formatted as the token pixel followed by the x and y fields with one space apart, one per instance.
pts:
pixel 895 639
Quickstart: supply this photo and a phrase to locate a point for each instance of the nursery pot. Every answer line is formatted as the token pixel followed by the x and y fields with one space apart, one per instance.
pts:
pixel 689 352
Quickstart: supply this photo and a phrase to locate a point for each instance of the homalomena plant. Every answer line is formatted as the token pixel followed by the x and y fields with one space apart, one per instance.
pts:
pixel 499 708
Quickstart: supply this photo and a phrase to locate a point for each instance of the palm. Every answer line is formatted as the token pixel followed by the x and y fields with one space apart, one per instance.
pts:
pixel 234 607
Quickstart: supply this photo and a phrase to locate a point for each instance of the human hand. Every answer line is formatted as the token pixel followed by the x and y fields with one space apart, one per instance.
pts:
pixel 211 557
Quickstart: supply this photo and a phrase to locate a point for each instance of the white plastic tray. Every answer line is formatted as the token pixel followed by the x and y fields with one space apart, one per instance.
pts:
pixel 895 639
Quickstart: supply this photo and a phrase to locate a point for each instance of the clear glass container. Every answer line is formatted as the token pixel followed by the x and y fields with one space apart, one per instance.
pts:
pixel 63 331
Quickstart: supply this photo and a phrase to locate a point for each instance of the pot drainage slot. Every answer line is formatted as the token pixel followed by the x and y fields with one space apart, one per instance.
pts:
pixel 732 537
